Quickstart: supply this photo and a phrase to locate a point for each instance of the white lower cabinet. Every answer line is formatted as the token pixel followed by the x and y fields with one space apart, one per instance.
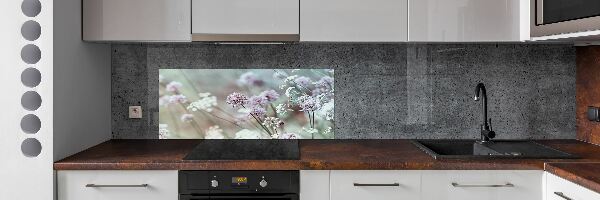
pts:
pixel 375 185
pixel 117 185
pixel 482 185
pixel 560 189
pixel 341 185
pixel 314 184
pixel 433 184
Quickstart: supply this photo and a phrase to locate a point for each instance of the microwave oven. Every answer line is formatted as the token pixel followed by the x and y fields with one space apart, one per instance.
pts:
pixel 556 17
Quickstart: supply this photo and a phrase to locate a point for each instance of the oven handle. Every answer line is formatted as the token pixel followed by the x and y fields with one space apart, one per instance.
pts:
pixel 91 185
pixel 245 196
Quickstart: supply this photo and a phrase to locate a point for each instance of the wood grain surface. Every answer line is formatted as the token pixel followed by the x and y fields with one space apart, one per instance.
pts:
pixel 314 154
pixel 588 92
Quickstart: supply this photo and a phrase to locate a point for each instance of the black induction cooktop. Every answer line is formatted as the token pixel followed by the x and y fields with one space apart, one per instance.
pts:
pixel 246 149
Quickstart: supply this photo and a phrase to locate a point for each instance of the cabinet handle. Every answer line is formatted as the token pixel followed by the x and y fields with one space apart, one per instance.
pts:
pixel 560 194
pixel 114 186
pixel 498 185
pixel 376 184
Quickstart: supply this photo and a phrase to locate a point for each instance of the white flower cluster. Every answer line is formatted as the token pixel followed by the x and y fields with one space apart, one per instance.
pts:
pixel 272 122
pixel 291 92
pixel 163 131
pixel 214 132
pixel 282 109
pixel 327 111
pixel 206 103
pixel 289 136
pixel 310 131
pixel 309 103
pixel 288 82
pixel 248 134
pixel 328 131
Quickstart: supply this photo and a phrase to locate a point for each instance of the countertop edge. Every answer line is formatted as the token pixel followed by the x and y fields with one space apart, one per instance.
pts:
pixel 573 177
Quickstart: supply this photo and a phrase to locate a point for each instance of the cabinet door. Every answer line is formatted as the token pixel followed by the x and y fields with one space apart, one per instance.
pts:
pixel 468 20
pixel 560 189
pixel 482 185
pixel 136 20
pixel 353 20
pixel 376 185
pixel 245 17
pixel 117 185
pixel 314 185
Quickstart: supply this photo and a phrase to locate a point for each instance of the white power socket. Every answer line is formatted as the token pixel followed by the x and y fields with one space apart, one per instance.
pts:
pixel 135 112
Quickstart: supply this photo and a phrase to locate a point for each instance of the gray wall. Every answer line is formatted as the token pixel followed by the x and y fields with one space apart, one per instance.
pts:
pixel 382 90
pixel 82 82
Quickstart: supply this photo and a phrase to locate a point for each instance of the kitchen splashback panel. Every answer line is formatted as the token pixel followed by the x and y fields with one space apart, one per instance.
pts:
pixel 382 90
pixel 246 104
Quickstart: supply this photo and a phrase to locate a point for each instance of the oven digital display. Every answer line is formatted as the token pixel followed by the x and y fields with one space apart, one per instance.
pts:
pixel 239 181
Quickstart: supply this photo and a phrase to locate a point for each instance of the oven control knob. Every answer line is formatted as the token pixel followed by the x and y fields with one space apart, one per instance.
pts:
pixel 263 183
pixel 214 183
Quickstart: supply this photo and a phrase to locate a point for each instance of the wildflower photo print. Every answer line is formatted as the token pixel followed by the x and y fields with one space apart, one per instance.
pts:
pixel 246 104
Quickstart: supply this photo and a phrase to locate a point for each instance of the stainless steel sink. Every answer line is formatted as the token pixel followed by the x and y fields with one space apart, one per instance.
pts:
pixel 471 149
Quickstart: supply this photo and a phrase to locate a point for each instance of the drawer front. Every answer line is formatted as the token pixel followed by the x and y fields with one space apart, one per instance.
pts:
pixel 376 185
pixel 314 185
pixel 560 189
pixel 117 185
pixel 482 185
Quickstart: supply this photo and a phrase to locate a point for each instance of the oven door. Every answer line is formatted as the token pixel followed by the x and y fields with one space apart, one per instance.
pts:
pixel 553 17
pixel 241 197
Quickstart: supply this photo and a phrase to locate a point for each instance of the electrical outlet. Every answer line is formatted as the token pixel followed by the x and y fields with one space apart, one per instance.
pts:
pixel 593 114
pixel 135 112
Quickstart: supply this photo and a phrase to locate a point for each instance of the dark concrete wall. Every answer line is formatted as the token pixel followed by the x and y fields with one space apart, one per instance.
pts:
pixel 382 90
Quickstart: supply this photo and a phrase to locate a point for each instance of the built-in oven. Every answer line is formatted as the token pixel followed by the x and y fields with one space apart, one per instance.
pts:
pixel 237 185
pixel 554 17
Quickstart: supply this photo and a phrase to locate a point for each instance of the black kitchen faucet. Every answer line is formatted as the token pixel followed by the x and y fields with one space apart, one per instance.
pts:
pixel 486 128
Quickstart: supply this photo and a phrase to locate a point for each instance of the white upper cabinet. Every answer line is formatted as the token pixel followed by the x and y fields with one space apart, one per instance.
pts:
pixel 307 20
pixel 468 20
pixel 353 20
pixel 245 20
pixel 136 20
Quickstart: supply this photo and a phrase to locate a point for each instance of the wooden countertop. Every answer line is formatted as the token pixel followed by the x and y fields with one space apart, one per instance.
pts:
pixel 314 154
pixel 584 174
pixel 331 155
